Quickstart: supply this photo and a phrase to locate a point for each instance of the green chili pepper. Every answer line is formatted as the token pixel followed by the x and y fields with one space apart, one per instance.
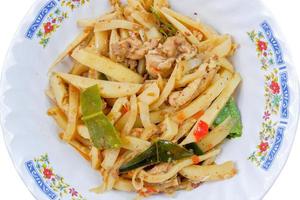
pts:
pixel 160 151
pixel 231 109
pixel 102 132
pixel 169 151
pixel 147 157
pixel 90 101
pixel 194 148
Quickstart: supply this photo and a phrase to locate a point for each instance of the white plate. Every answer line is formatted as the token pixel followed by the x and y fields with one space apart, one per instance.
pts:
pixel 268 98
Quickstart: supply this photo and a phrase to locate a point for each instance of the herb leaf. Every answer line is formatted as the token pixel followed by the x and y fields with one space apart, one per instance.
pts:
pixel 165 28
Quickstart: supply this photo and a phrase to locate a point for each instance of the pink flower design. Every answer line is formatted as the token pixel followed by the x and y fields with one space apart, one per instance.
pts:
pixel 262 46
pixel 48 27
pixel 73 192
pixel 48 173
pixel 275 87
pixel 263 146
pixel 266 115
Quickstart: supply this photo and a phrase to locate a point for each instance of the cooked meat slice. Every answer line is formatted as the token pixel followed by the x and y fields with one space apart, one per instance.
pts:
pixel 177 46
pixel 132 48
pixel 132 64
pixel 129 48
pixel 161 60
pixel 151 44
pixel 158 64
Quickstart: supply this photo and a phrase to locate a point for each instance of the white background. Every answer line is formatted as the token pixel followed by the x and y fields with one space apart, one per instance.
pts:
pixel 287 15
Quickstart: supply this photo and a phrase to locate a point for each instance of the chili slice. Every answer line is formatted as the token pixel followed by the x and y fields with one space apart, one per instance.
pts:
pixel 201 131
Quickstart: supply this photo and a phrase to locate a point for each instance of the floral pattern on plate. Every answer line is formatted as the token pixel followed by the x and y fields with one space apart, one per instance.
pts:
pixel 271 131
pixel 56 188
pixel 73 4
pixel 263 50
pixel 50 26
pixel 50 19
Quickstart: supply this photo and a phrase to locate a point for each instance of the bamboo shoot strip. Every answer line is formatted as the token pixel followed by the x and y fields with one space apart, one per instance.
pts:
pixel 106 66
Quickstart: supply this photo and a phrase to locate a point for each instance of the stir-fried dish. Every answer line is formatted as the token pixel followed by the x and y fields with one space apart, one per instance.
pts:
pixel 148 99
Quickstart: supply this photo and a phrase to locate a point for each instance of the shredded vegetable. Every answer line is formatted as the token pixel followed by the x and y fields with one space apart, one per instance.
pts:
pixel 165 28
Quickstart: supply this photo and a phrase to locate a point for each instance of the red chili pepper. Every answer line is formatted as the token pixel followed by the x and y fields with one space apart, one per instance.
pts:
pixel 141 193
pixel 195 160
pixel 150 190
pixel 198 114
pixel 156 70
pixel 125 109
pixel 201 131
pixel 147 191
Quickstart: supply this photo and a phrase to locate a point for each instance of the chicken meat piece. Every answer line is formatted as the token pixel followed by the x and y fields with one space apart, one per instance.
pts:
pixel 131 64
pixel 132 48
pixel 177 46
pixel 161 60
pixel 158 64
